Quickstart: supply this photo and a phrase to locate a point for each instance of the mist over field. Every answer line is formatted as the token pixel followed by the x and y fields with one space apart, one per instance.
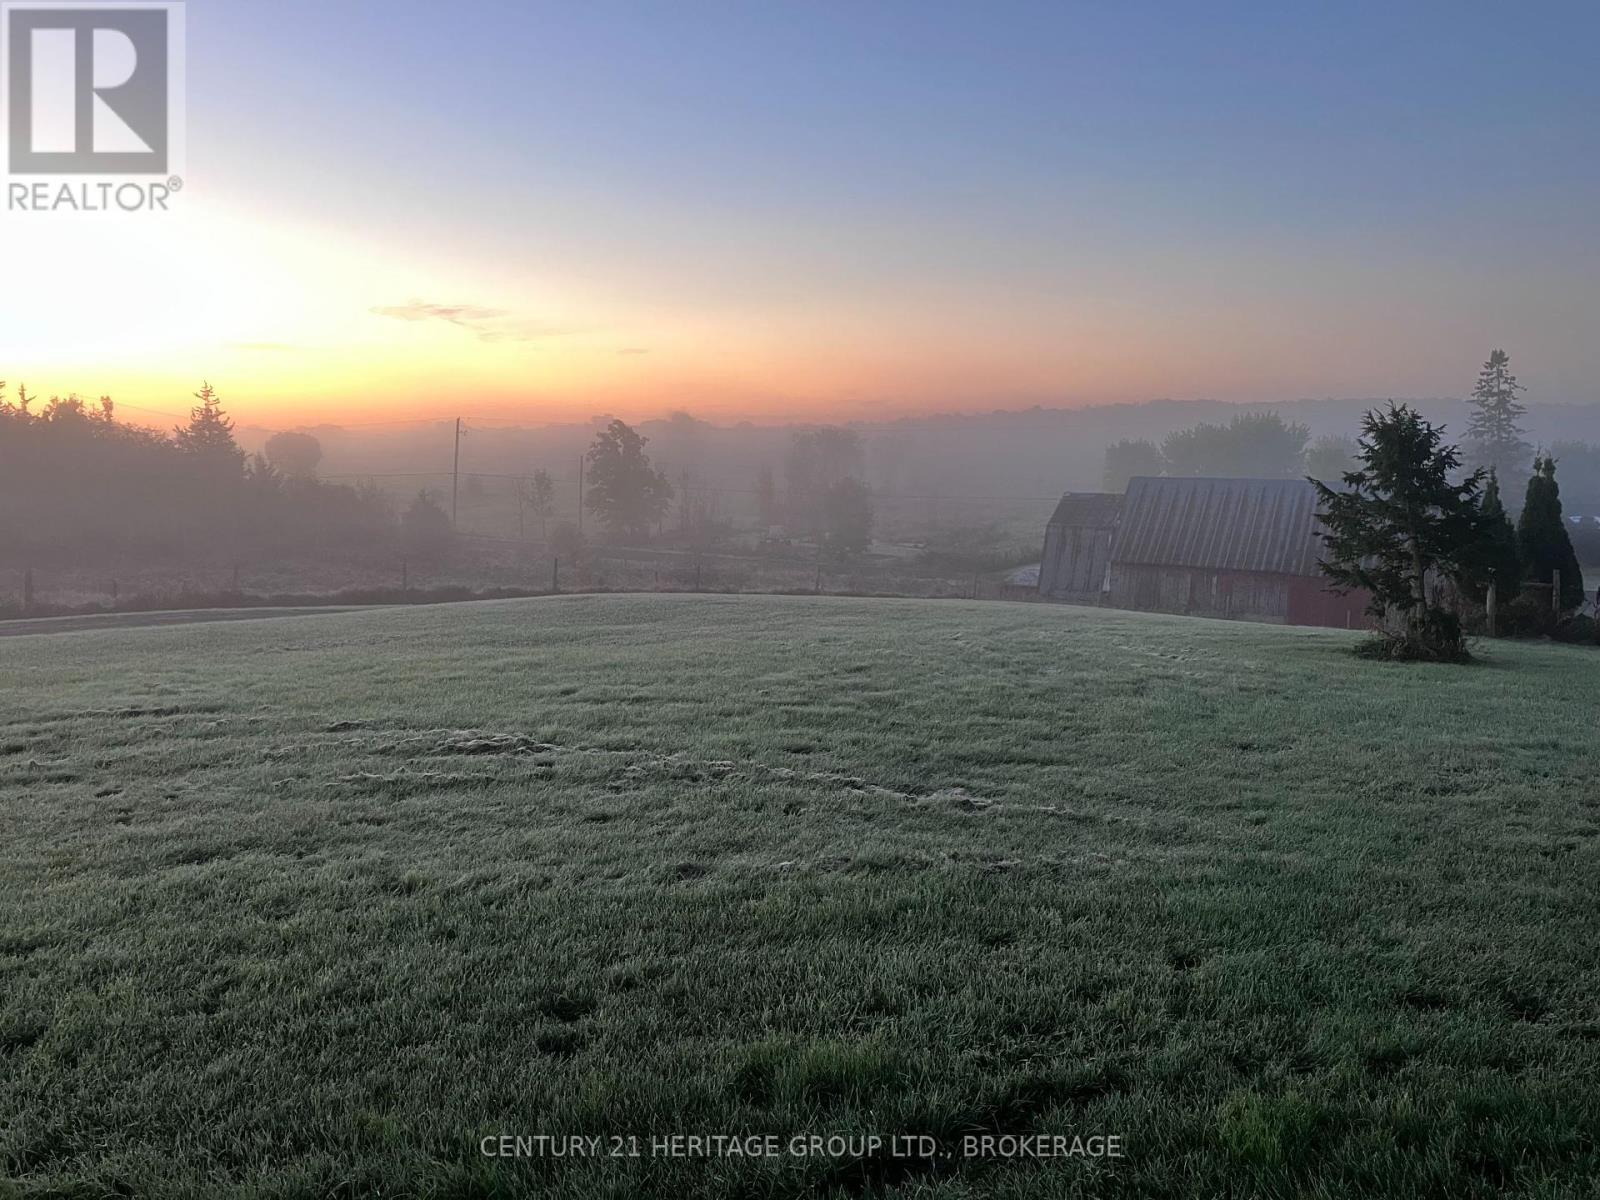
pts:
pixel 107 509
pixel 794 601
pixel 1038 452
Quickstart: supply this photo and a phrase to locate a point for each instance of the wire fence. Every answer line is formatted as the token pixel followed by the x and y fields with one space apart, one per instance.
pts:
pixel 65 590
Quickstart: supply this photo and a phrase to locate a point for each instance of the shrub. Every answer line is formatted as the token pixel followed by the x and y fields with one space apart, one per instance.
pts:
pixel 427 530
pixel 1426 635
pixel 1578 629
pixel 1528 615
pixel 567 543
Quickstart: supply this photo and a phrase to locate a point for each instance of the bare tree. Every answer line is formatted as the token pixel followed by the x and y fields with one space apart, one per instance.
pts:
pixel 537 495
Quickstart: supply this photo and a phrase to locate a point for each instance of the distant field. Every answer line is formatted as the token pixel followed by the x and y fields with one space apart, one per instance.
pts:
pixel 310 906
pixel 378 579
pixel 32 626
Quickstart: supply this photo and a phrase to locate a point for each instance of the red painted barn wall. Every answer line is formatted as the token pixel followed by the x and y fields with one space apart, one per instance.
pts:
pixel 1311 603
pixel 1234 595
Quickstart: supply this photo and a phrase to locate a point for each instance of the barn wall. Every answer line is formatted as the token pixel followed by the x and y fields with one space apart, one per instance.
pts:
pixel 1074 563
pixel 1240 595
pixel 1200 592
pixel 1311 603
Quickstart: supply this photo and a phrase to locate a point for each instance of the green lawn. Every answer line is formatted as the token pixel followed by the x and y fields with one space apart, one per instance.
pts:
pixel 311 906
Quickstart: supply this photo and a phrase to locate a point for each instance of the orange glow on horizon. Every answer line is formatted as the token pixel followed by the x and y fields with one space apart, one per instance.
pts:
pixel 301 325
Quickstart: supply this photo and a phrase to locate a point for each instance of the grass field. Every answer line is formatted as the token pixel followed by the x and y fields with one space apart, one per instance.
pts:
pixel 311 906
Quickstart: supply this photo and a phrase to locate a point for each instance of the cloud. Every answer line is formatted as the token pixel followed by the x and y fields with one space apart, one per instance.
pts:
pixel 489 324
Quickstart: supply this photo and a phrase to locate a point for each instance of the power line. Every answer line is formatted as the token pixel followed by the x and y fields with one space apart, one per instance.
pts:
pixel 697 488
pixel 118 404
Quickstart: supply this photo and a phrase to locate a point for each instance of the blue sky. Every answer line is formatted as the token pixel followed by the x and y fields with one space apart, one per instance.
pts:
pixel 900 206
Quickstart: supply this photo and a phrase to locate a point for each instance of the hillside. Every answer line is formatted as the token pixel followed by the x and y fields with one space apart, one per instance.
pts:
pixel 315 904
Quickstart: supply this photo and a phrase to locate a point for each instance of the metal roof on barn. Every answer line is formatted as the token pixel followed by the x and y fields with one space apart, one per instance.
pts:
pixel 1087 510
pixel 1263 525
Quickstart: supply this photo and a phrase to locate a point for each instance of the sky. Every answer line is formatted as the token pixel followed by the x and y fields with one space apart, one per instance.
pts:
pixel 838 210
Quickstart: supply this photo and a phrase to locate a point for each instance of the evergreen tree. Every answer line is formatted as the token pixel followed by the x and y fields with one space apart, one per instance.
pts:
pixel 1397 520
pixel 1494 430
pixel 1543 538
pixel 1497 559
pixel 209 435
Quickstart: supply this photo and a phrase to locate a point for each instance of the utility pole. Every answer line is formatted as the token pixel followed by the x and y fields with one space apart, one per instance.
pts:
pixel 455 476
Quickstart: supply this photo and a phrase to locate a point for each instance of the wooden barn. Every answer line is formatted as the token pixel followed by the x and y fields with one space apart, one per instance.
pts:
pixel 1240 548
pixel 1077 547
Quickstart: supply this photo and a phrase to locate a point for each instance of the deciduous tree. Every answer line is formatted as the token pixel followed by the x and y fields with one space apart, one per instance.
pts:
pixel 847 517
pixel 1251 446
pixel 1330 456
pixel 625 491
pixel 766 499
pixel 426 528
pixel 816 460
pixel 536 495
pixel 1128 459
pixel 294 454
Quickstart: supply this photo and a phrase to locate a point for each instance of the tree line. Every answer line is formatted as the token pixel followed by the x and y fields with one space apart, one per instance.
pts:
pixel 76 482
pixel 1407 527
pixel 1251 445
pixel 1264 445
pixel 825 498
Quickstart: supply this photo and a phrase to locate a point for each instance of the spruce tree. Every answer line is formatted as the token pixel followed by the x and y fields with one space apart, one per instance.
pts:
pixel 1542 535
pixel 1494 431
pixel 1400 520
pixel 1497 559
pixel 209 435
